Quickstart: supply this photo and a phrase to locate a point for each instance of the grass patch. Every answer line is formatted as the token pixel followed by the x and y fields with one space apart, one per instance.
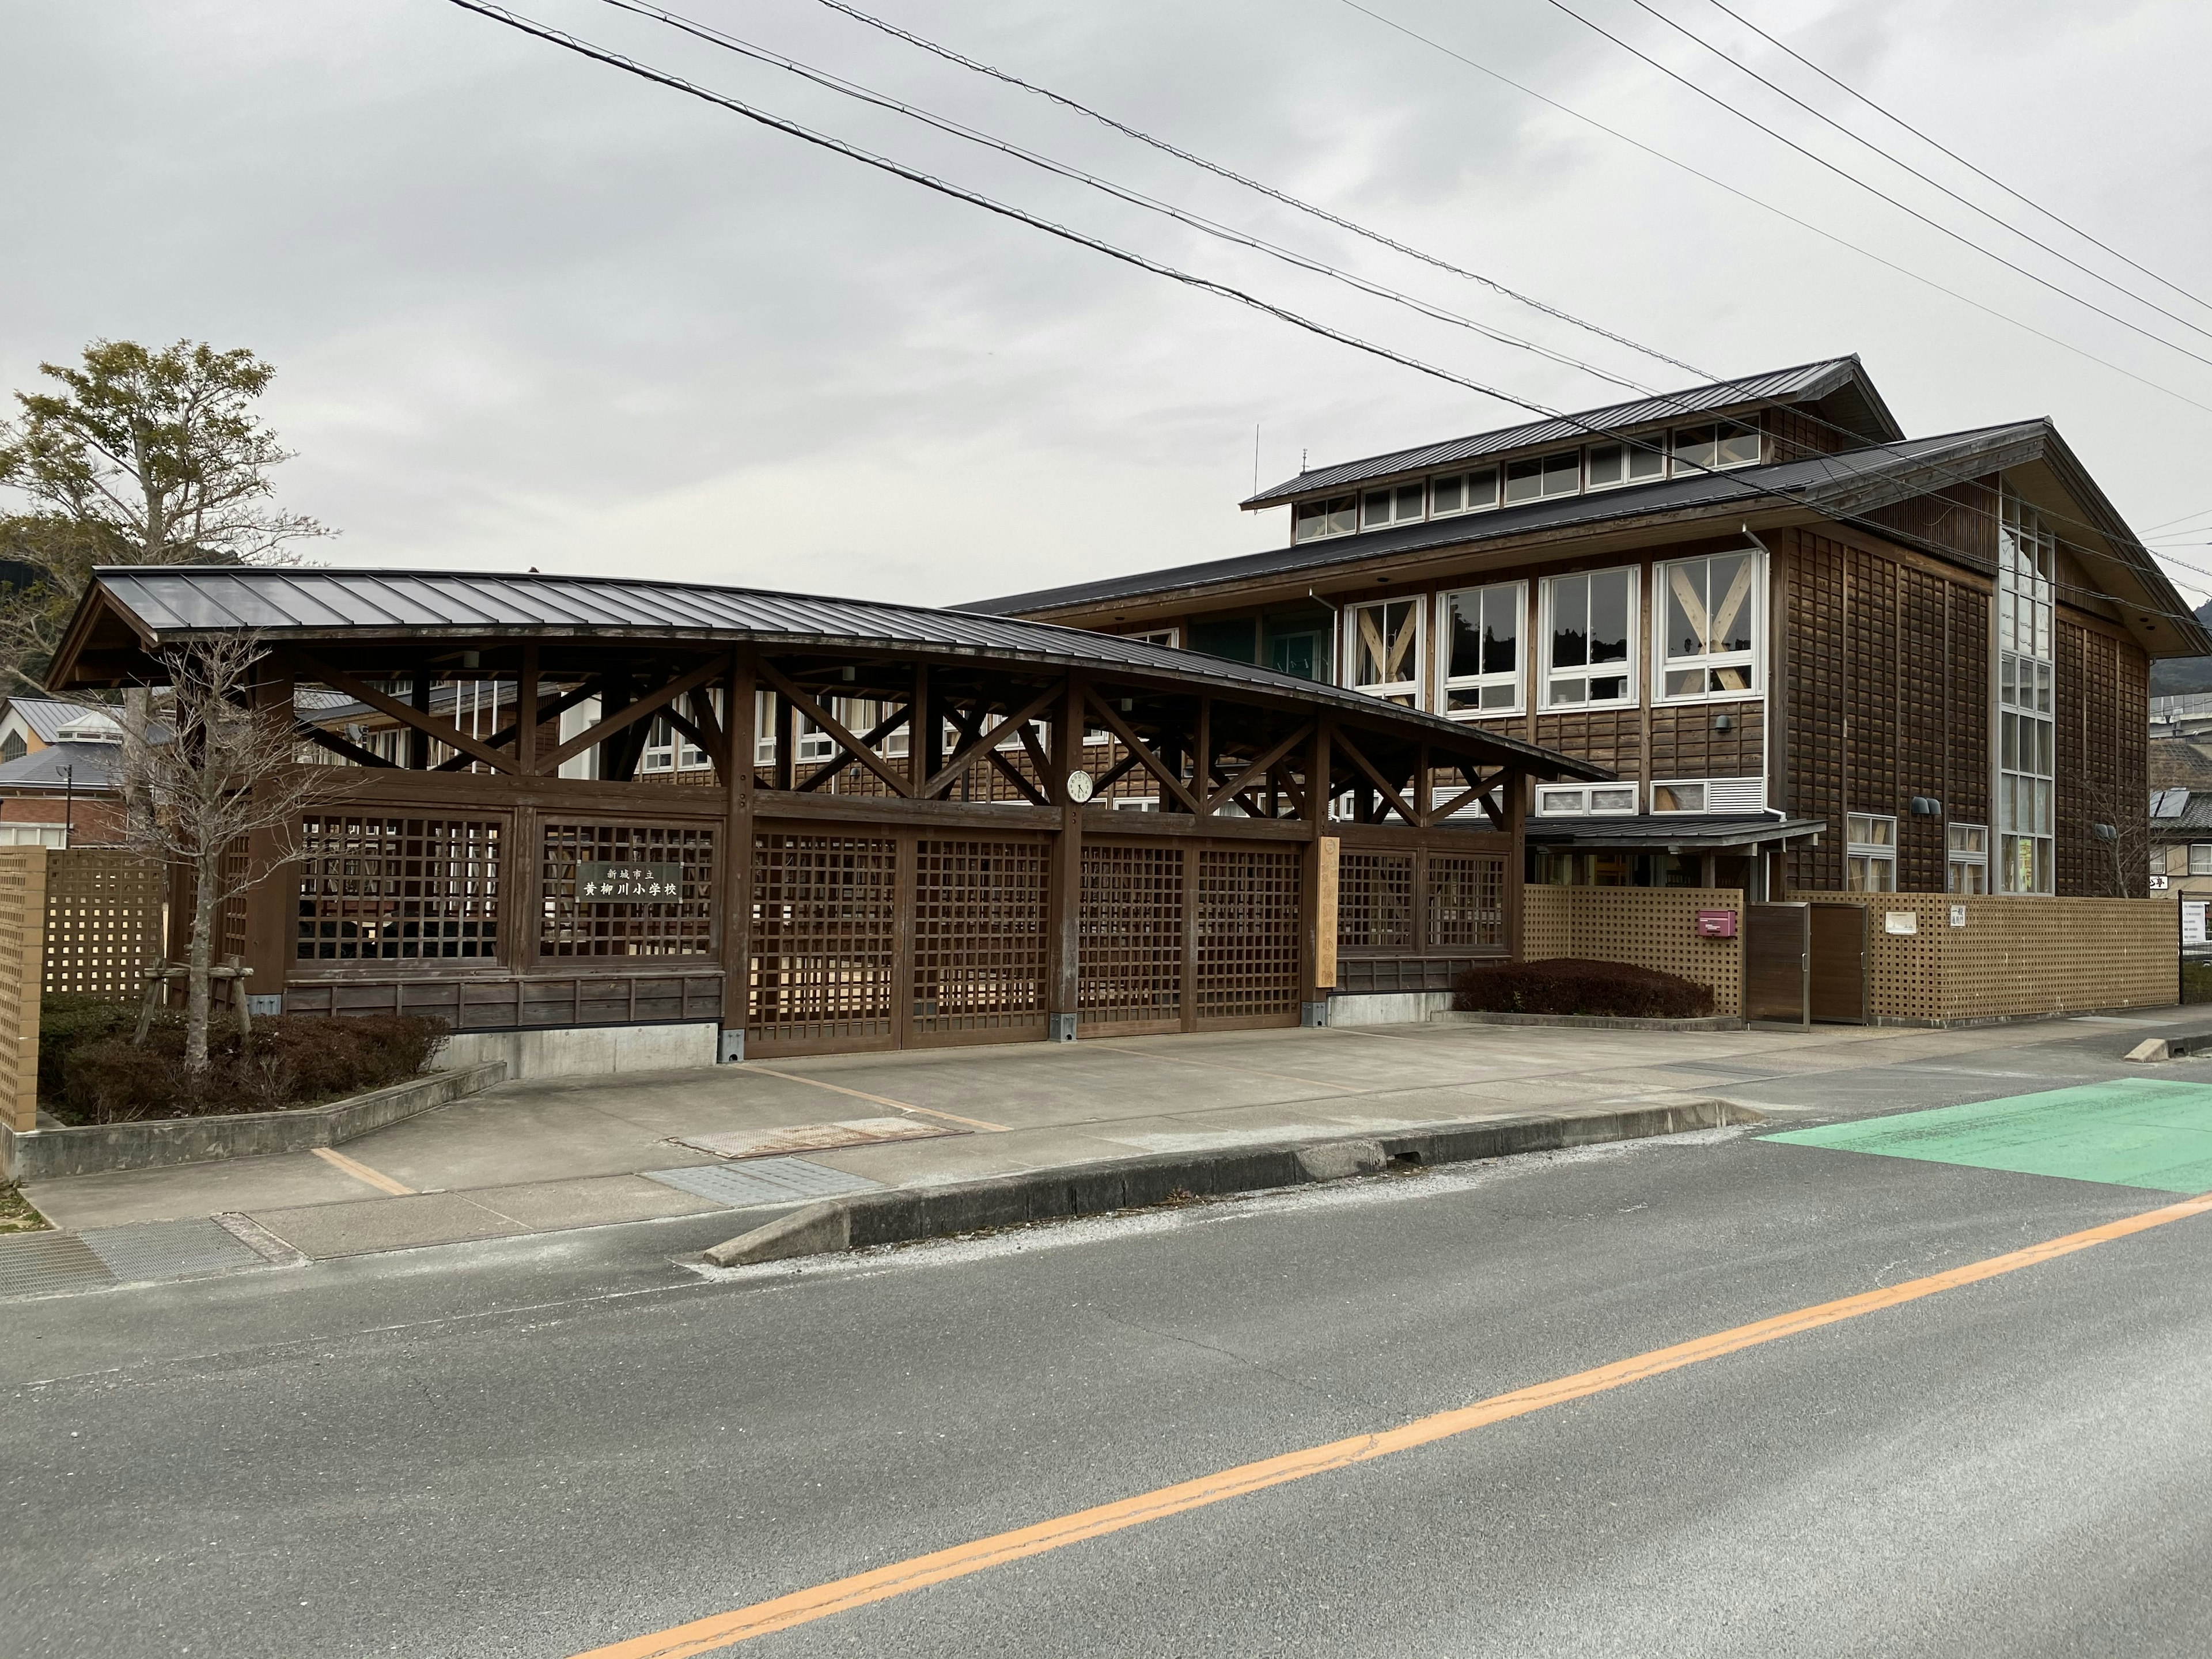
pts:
pixel 18 1215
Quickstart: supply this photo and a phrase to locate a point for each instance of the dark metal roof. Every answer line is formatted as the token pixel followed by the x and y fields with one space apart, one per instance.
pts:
pixel 45 716
pixel 1651 831
pixel 1822 481
pixel 90 766
pixel 2188 811
pixel 165 605
pixel 1804 383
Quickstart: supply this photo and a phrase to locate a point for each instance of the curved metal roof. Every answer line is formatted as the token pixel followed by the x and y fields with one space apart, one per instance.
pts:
pixel 165 605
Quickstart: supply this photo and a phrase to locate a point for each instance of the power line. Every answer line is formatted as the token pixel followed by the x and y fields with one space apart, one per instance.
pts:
pixel 1849 177
pixel 1937 145
pixel 854 89
pixel 1568 110
pixel 1747 489
pixel 1221 171
pixel 1869 144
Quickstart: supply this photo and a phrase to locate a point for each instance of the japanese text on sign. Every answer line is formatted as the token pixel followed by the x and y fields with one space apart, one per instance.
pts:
pixel 628 884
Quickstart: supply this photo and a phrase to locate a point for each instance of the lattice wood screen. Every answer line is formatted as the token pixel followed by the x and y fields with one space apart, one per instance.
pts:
pixel 235 934
pixel 1466 902
pixel 104 912
pixel 1247 935
pixel 1375 901
pixel 979 936
pixel 824 939
pixel 22 935
pixel 571 928
pixel 1650 926
pixel 1130 962
pixel 377 889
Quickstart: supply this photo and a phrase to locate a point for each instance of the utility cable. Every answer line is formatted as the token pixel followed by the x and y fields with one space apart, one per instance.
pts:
pixel 1747 489
pixel 1849 177
pixel 1568 110
pixel 1938 145
pixel 1822 116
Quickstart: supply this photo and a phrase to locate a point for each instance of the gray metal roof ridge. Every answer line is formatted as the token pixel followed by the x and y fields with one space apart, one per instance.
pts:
pixel 1839 471
pixel 1697 399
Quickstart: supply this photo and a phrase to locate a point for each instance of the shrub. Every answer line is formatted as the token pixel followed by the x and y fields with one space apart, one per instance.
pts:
pixel 66 1024
pixel 294 1060
pixel 1569 985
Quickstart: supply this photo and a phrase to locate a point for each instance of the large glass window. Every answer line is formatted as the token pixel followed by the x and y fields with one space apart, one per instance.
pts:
pixel 1543 475
pixel 1385 652
pixel 1478 631
pixel 1336 515
pixel 1708 613
pixel 1869 853
pixel 1463 492
pixel 2027 555
pixel 1586 619
pixel 1397 504
pixel 1969 860
pixel 1722 443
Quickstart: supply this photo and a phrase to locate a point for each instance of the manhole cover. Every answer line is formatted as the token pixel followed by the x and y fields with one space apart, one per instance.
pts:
pixel 762 1181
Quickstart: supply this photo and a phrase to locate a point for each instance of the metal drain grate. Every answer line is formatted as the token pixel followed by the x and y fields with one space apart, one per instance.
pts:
pixel 171 1249
pixel 762 1181
pixel 42 1264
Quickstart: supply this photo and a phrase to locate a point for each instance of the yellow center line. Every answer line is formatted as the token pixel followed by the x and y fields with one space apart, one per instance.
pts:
pixel 376 1178
pixel 895 1105
pixel 902 1577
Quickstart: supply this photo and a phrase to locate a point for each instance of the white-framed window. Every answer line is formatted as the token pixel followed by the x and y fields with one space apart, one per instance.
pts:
pixel 663 754
pixel 1580 800
pixel 1714 446
pixel 1135 803
pixel 1536 477
pixel 1462 492
pixel 1095 736
pixel 2200 857
pixel 1709 795
pixel 1588 636
pixel 1707 623
pixel 1382 649
pixel 1638 459
pixel 1967 858
pixel 2027 556
pixel 1869 853
pixel 1331 515
pixel 1393 504
pixel 1169 637
pixel 1479 639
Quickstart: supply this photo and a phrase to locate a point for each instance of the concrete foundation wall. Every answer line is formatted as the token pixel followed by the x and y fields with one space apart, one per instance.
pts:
pixel 586 1050
pixel 1387 1007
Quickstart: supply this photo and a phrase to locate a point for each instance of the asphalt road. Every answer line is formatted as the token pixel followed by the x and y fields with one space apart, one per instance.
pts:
pixel 536 1447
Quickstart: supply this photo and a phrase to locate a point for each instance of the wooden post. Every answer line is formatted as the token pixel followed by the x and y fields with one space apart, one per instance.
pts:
pixel 1064 897
pixel 736 765
pixel 787 745
pixel 1317 888
pixel 418 741
pixel 272 902
pixel 21 1104
pixel 1516 792
pixel 525 713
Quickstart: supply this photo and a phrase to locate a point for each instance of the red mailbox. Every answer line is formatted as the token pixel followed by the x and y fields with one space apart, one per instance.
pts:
pixel 1716 924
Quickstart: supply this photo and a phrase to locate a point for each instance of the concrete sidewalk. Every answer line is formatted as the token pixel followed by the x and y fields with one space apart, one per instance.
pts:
pixel 549 1156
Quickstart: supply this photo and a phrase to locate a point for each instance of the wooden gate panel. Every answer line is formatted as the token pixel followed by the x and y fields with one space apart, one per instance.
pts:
pixel 824 963
pixel 979 941
pixel 1375 901
pixel 1130 965
pixel 1247 926
pixel 1776 944
pixel 1837 991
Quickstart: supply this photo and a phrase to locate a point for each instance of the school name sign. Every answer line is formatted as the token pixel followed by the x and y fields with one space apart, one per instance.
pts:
pixel 629 883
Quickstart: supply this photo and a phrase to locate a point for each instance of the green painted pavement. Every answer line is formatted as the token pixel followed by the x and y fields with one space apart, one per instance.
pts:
pixel 2134 1133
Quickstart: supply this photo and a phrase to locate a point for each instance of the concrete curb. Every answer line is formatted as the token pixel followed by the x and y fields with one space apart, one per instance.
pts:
pixel 2153 1049
pixel 901 1215
pixel 99 1148
pixel 1590 1022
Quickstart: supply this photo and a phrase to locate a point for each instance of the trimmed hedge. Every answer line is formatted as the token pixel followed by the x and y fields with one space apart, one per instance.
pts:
pixel 1570 985
pixel 296 1059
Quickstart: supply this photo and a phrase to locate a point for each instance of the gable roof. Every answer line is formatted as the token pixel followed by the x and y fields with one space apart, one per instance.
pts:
pixel 45 716
pixel 1837 486
pixel 1840 381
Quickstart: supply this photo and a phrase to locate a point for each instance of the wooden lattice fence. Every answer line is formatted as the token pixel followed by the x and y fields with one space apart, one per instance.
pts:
pixel 23 948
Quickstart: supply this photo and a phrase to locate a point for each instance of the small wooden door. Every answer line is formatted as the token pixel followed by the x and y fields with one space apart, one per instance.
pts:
pixel 1777 952
pixel 1838 991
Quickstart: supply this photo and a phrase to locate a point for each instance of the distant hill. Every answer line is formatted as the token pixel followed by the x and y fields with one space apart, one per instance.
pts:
pixel 2172 676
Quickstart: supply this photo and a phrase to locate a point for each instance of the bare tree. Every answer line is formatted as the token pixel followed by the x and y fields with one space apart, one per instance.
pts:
pixel 2120 844
pixel 227 771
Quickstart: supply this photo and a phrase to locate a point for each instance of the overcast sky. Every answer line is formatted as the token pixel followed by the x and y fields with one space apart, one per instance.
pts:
pixel 527 310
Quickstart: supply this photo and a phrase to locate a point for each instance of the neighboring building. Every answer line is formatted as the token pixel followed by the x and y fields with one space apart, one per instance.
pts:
pixel 56 765
pixel 1821 656
pixel 2181 842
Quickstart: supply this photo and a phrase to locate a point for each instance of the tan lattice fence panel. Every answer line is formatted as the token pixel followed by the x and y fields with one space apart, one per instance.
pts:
pixel 22 940
pixel 2016 957
pixel 104 920
pixel 1649 926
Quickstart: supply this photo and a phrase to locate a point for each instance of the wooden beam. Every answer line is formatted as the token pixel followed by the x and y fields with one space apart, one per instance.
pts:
pixel 527 719
pixel 882 729
pixel 1054 787
pixel 513 734
pixel 1145 757
pixel 339 745
pixel 418 745
pixel 629 714
pixel 835 728
pixel 426 725
pixel 1388 791
pixel 1063 961
pixel 1240 780
pixel 734 761
pixel 980 740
